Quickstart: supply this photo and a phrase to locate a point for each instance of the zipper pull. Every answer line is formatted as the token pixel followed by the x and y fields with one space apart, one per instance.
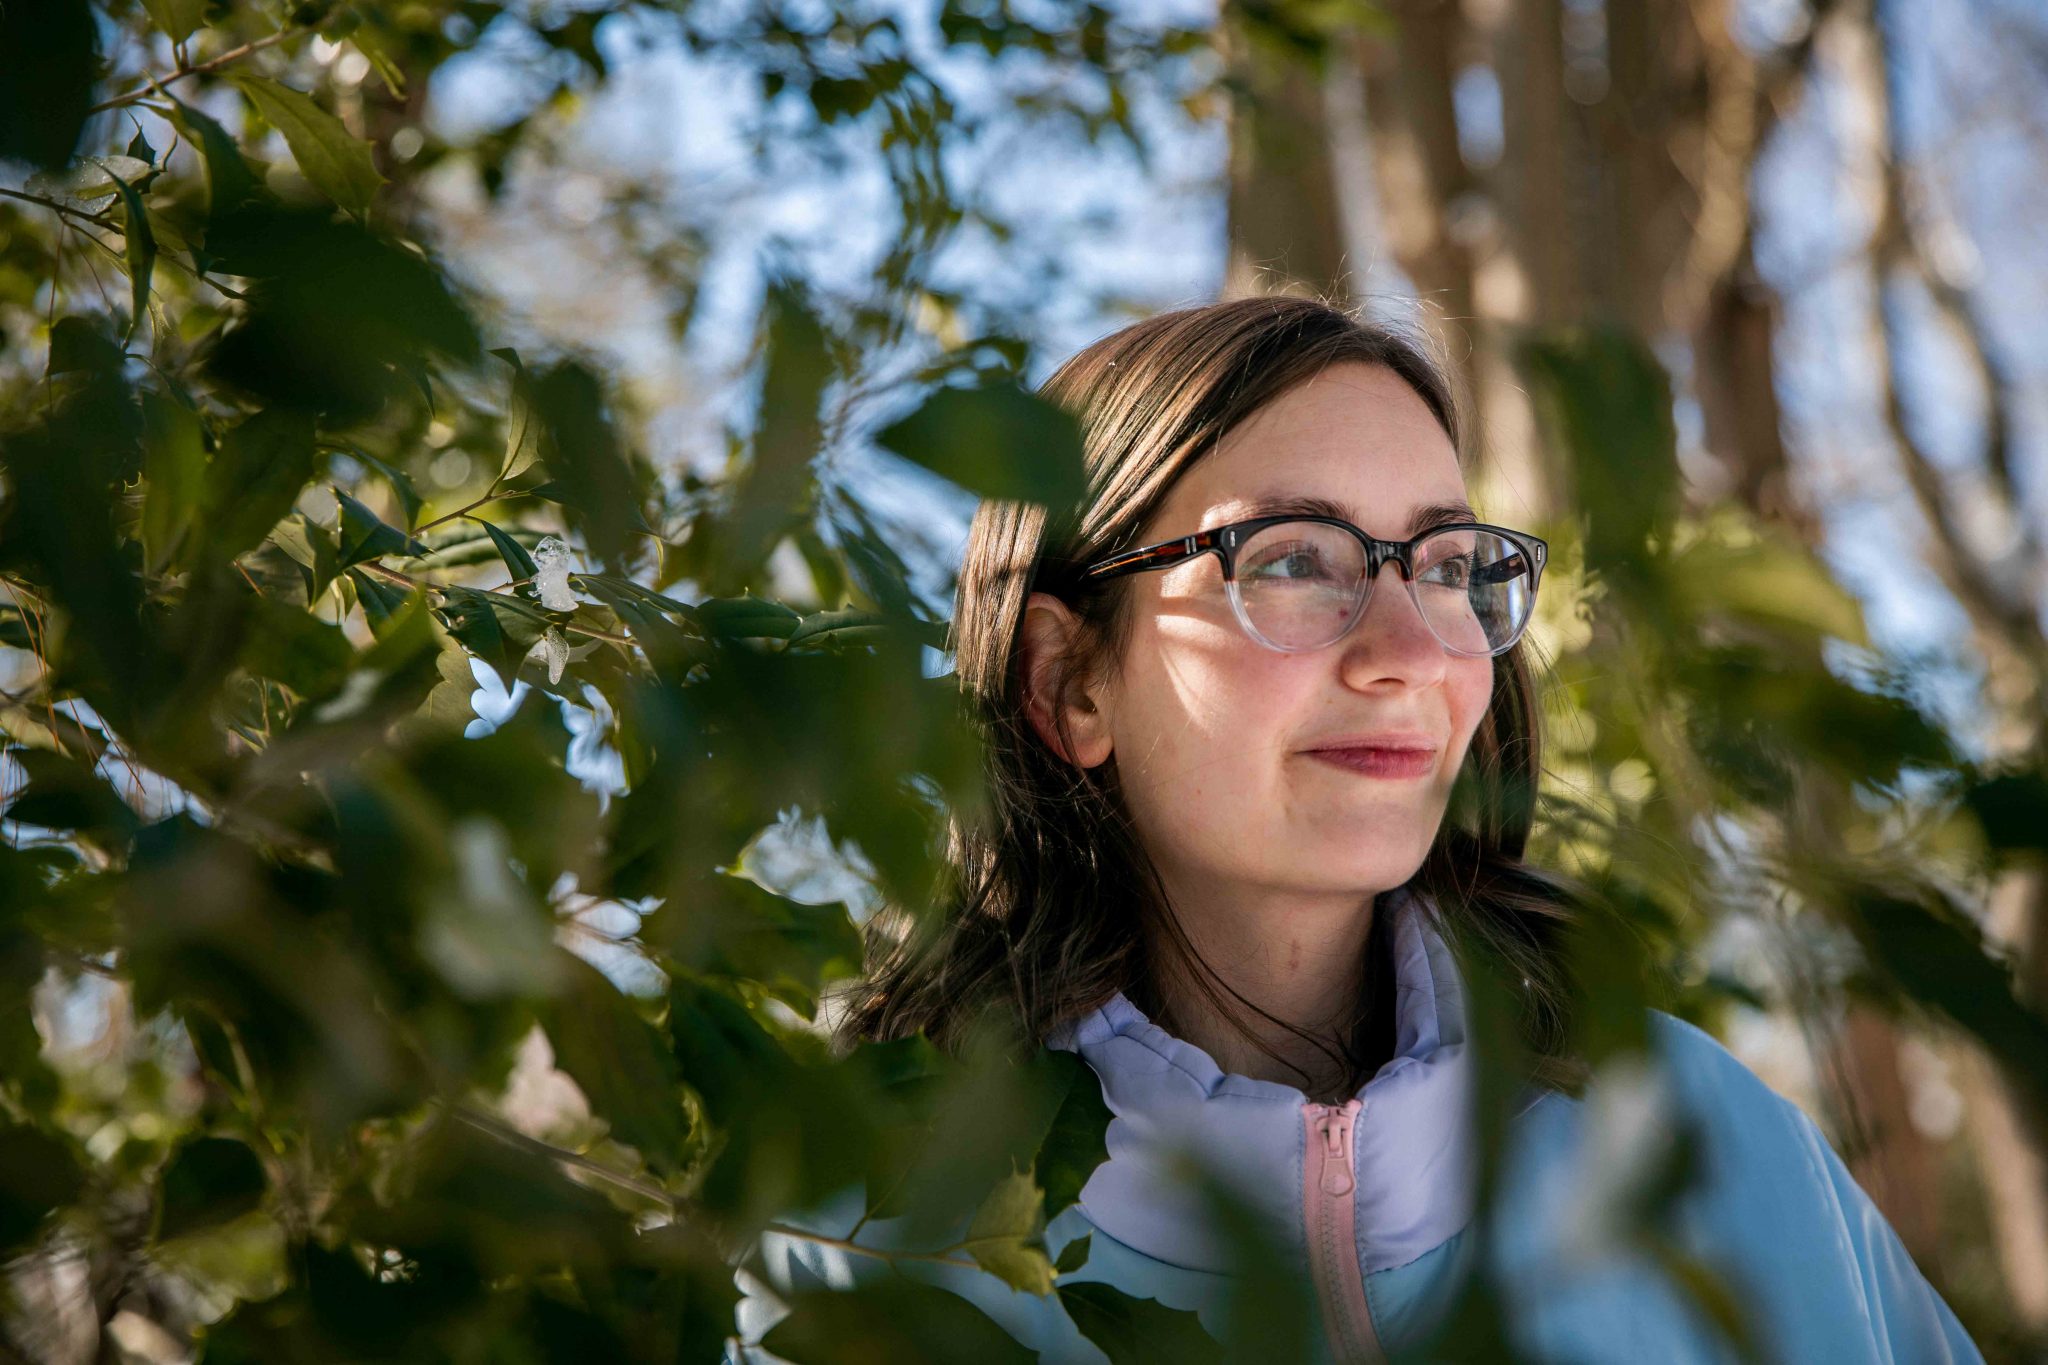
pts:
pixel 1339 1162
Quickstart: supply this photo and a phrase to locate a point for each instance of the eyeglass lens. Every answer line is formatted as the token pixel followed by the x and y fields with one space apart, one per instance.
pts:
pixel 1301 584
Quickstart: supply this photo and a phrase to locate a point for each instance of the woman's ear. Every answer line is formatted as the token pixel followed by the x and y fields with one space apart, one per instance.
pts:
pixel 1045 643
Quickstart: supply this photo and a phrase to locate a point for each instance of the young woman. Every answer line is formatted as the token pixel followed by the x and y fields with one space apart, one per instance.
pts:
pixel 1226 705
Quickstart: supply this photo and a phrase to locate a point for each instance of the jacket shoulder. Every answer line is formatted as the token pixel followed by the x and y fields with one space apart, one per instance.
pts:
pixel 1772 1174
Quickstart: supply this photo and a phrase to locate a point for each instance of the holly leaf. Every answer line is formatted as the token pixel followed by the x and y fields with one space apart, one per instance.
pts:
pixel 518 562
pixel 1004 1238
pixel 140 251
pixel 334 159
pixel 744 618
pixel 522 432
pixel 381 601
pixel 177 18
pixel 898 1320
pixel 1077 1142
pixel 365 535
pixel 1134 1331
pixel 408 497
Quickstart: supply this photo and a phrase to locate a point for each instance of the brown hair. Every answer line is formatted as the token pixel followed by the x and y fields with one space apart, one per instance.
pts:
pixel 1049 894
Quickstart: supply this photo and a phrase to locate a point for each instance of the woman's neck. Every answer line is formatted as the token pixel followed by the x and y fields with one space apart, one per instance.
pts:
pixel 1301 959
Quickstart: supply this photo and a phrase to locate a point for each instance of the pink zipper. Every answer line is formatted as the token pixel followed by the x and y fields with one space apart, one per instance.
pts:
pixel 1328 1190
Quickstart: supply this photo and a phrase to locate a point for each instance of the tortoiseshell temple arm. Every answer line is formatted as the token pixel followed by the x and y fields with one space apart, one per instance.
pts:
pixel 1163 555
pixel 1503 570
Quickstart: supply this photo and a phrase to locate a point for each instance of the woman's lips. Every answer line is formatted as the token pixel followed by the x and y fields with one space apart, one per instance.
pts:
pixel 1371 762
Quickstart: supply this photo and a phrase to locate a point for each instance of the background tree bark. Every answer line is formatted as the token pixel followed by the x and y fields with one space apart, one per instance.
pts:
pixel 1623 192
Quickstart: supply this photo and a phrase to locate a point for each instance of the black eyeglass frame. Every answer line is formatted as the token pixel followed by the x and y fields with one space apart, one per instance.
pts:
pixel 1224 541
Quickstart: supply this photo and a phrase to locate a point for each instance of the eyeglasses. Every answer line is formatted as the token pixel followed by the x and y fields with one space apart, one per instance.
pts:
pixel 1299 583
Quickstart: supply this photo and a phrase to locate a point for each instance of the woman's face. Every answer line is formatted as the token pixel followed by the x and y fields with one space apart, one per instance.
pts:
pixel 1214 735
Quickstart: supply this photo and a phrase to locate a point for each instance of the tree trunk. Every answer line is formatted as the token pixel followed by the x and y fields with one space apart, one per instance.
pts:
pixel 1286 225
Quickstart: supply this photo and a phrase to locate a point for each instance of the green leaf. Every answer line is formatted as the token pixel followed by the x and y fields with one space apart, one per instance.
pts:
pixel 1077 1142
pixel 1002 441
pixel 408 496
pixel 1073 1255
pixel 621 1062
pixel 93 179
pixel 258 473
pixel 230 181
pixel 38 1174
pixel 1935 953
pixel 365 535
pixel 963 1132
pixel 138 146
pixel 494 1208
pixel 311 546
pixel 2012 808
pixel 1134 1331
pixel 1773 581
pixel 518 562
pixel 78 346
pixel 334 159
pixel 522 432
pixel 139 249
pixel 556 492
pixel 748 618
pixel 447 705
pixel 64 794
pixel 337 319
pixel 174 473
pixel 735 928
pixel 496 627
pixel 209 1181
pixel 380 600
pixel 58 518
pixel 1005 1237
pixel 1605 403
pixel 671 651
pixel 296 648
pixel 609 586
pixel 49 59
pixel 773 497
pixel 828 575
pixel 1706 1287
pixel 176 18
pixel 897 1320
pixel 847 626
pixel 595 480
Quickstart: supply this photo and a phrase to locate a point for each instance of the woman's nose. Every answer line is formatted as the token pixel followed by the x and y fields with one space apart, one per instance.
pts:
pixel 1390 638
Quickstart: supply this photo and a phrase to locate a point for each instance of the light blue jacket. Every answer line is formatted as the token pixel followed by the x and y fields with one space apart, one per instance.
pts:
pixel 1374 1202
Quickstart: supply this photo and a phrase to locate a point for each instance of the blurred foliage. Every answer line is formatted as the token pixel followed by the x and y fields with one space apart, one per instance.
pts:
pixel 325 911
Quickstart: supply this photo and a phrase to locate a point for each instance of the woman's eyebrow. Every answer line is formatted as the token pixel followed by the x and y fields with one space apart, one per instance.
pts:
pixel 1289 504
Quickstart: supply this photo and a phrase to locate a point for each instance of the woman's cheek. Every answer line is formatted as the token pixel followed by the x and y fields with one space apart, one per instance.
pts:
pixel 1474 689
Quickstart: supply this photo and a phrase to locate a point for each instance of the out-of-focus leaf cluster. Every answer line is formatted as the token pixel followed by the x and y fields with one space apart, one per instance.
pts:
pixel 422 1040
pixel 427 1039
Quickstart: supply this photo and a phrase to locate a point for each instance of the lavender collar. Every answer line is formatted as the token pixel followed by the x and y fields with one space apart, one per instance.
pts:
pixel 1415 1147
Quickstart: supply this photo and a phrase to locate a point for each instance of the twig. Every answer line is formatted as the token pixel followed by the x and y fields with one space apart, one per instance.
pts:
pixel 506 1133
pixel 842 1244
pixel 211 64
pixel 490 495
pixel 60 207
pixel 376 567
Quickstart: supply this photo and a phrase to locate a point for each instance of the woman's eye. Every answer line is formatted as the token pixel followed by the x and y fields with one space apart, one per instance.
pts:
pixel 1289 564
pixel 1452 573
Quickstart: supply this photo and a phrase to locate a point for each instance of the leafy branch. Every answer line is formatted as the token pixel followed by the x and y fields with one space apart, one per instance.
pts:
pixel 158 84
